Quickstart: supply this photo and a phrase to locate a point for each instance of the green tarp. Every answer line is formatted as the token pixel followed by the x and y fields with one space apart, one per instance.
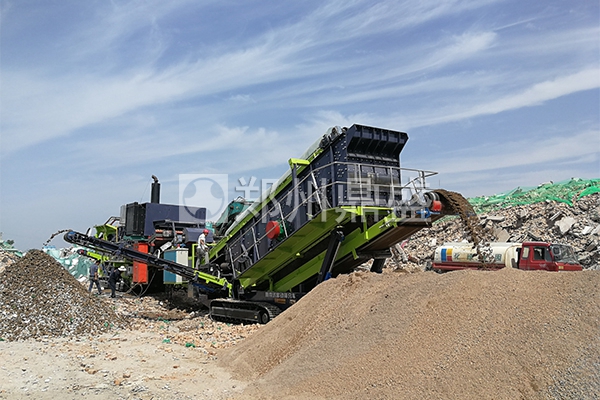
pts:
pixel 564 192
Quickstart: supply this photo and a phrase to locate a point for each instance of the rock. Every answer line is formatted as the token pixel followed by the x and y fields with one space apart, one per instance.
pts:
pixel 555 216
pixel 587 230
pixel 530 222
pixel 533 236
pixel 592 246
pixel 495 218
pixel 585 258
pixel 565 224
pixel 501 235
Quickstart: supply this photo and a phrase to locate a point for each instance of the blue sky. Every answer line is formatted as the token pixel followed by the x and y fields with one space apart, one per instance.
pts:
pixel 96 96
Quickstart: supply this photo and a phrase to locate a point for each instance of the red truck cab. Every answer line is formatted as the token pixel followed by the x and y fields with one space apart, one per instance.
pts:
pixel 547 257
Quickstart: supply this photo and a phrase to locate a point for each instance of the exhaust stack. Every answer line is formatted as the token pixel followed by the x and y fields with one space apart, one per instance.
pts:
pixel 155 195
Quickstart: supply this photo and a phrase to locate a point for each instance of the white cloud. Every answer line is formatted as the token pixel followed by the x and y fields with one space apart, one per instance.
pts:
pixel 72 100
pixel 536 94
pixel 583 80
pixel 221 148
pixel 68 104
pixel 242 98
pixel 524 153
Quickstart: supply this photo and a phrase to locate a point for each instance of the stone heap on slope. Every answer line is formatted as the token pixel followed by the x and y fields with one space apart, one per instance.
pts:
pixel 39 298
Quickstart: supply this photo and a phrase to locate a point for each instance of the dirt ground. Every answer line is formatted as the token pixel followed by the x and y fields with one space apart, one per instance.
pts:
pixel 463 335
pixel 121 365
pixel 57 340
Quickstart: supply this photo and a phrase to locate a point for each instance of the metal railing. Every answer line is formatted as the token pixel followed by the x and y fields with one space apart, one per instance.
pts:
pixel 367 181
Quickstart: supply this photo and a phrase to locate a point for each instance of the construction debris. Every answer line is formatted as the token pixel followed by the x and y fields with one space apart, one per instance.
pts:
pixel 8 254
pixel 548 221
pixel 40 299
pixel 363 335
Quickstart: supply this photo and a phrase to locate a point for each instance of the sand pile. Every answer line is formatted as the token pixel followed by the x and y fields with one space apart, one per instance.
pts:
pixel 39 298
pixel 507 334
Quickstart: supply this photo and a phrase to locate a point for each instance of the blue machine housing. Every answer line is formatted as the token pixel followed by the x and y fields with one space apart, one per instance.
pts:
pixel 142 219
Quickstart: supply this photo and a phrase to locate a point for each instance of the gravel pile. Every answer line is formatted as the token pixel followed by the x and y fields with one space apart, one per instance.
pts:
pixel 578 226
pixel 39 298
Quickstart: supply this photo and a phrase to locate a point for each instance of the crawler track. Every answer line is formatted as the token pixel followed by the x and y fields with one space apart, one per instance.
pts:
pixel 239 311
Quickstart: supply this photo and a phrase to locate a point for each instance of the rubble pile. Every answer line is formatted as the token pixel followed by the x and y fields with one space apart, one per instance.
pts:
pixel 7 258
pixel 39 298
pixel 8 254
pixel 552 221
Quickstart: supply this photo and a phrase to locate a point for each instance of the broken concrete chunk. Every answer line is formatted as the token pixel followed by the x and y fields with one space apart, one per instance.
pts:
pixel 495 218
pixel 501 235
pixel 587 230
pixel 533 236
pixel 556 216
pixel 591 247
pixel 565 224
pixel 584 258
pixel 582 206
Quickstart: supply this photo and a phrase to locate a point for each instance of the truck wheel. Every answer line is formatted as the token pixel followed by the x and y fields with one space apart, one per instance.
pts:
pixel 263 317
